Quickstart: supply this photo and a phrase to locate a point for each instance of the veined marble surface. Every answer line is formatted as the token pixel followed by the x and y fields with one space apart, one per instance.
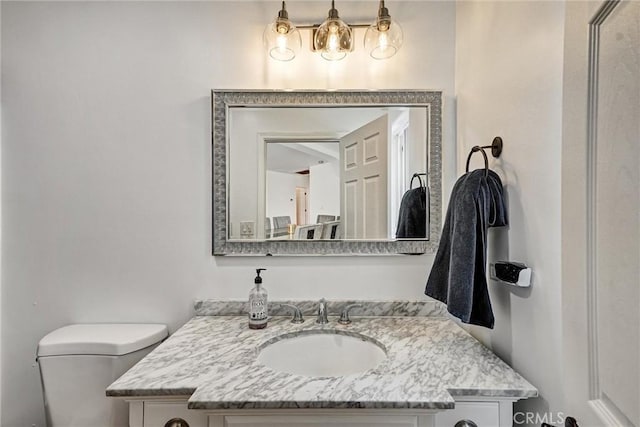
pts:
pixel 429 361
pixel 369 308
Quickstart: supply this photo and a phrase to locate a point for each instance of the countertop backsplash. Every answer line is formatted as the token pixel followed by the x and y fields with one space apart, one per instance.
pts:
pixel 430 308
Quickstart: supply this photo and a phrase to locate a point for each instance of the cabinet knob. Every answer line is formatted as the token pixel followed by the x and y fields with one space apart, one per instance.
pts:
pixel 176 422
pixel 465 423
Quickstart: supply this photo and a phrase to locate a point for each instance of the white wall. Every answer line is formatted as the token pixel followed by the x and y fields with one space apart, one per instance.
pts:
pixel 281 193
pixel 509 64
pixel 106 162
pixel 324 190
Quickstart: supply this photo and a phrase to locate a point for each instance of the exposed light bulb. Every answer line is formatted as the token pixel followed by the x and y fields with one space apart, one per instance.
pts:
pixel 281 43
pixel 334 40
pixel 383 42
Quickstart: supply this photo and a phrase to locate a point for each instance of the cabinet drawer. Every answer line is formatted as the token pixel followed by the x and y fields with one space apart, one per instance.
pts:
pixel 157 414
pixel 320 421
pixel 484 414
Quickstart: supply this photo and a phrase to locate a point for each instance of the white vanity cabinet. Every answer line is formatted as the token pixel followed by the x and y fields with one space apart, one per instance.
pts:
pixel 160 412
pixel 326 420
pixel 484 412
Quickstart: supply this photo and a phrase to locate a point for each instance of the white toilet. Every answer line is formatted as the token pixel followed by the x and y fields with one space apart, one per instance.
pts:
pixel 78 362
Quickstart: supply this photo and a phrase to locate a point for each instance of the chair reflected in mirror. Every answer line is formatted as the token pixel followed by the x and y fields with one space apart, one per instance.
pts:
pixel 281 225
pixel 267 228
pixel 331 230
pixel 308 232
pixel 281 221
pixel 325 218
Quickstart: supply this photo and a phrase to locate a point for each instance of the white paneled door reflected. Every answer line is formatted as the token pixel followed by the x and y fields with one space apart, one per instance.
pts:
pixel 363 181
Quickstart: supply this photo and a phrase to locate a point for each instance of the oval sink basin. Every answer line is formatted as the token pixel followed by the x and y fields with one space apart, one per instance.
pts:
pixel 322 355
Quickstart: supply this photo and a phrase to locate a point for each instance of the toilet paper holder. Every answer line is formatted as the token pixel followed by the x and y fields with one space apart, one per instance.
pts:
pixel 511 272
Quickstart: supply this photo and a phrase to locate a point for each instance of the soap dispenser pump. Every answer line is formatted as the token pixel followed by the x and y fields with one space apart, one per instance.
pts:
pixel 258 303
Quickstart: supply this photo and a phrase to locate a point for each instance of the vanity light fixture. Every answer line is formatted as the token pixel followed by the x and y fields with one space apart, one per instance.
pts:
pixel 333 38
pixel 281 38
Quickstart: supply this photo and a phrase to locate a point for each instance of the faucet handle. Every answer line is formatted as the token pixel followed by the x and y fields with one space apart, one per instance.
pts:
pixel 297 314
pixel 322 312
pixel 344 317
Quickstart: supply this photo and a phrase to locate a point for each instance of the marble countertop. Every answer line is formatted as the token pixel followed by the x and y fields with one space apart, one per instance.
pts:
pixel 430 360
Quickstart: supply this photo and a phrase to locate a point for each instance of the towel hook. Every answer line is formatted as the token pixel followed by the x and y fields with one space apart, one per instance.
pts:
pixel 417 175
pixel 496 150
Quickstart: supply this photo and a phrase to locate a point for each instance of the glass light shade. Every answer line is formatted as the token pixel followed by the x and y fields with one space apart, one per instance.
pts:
pixel 334 39
pixel 282 40
pixel 383 41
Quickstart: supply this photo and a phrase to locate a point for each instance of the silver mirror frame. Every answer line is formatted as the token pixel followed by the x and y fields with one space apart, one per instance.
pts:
pixel 222 100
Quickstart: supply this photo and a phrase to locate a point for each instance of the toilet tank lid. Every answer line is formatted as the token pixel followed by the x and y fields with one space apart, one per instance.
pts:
pixel 108 339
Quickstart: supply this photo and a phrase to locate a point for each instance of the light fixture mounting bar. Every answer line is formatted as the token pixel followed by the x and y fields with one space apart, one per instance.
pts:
pixel 315 26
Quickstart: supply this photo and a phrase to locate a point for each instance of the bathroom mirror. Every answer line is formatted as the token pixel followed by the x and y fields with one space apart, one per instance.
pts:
pixel 315 173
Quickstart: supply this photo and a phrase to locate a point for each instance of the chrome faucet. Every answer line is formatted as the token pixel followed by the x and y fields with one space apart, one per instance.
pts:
pixel 344 317
pixel 322 312
pixel 297 314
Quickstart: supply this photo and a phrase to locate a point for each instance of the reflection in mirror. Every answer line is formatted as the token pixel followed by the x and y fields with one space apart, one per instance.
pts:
pixel 294 167
pixel 324 172
pixel 360 150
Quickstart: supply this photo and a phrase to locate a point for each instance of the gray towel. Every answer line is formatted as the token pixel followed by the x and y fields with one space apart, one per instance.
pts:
pixel 412 216
pixel 458 276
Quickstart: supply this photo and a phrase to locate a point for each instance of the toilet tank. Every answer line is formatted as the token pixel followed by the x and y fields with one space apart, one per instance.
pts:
pixel 78 362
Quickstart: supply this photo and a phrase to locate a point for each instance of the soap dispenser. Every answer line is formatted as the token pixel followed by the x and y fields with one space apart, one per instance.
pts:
pixel 258 303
